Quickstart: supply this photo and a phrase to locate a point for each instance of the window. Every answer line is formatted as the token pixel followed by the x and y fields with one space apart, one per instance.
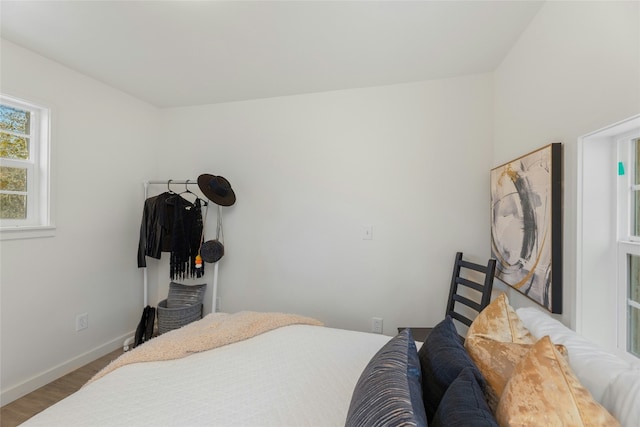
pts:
pixel 607 303
pixel 629 243
pixel 633 306
pixel 24 167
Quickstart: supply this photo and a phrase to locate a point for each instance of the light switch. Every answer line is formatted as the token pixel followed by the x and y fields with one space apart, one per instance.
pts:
pixel 367 232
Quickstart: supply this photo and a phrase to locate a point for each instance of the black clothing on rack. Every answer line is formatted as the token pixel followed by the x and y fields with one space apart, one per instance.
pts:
pixel 154 229
pixel 186 233
pixel 171 223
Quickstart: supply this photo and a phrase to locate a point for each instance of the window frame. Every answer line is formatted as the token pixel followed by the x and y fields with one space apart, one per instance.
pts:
pixel 39 221
pixel 627 242
pixel 598 271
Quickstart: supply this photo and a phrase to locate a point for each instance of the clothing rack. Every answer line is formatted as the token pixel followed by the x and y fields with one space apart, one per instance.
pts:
pixel 145 280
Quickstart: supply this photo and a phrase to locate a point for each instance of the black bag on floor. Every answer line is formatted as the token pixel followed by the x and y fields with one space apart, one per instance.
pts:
pixel 151 319
pixel 144 331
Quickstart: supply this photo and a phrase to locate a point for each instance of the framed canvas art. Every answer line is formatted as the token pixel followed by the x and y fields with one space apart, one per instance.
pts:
pixel 526 225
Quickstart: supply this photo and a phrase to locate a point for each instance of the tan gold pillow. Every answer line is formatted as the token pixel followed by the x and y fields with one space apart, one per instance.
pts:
pixel 543 390
pixel 496 361
pixel 499 322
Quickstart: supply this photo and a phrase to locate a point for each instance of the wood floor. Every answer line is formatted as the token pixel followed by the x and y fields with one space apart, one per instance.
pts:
pixel 18 411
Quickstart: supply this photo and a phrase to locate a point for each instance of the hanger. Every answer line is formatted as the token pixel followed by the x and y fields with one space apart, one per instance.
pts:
pixel 187 191
pixel 171 199
pixel 203 202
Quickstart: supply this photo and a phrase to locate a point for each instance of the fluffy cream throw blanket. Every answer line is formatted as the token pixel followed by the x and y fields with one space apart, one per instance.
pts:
pixel 214 330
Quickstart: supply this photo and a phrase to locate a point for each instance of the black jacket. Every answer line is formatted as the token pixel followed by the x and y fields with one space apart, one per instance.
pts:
pixel 154 229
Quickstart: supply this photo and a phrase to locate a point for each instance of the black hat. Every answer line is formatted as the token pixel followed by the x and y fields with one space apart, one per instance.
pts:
pixel 217 189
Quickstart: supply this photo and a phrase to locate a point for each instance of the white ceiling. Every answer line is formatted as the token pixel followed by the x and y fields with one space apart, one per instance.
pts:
pixel 178 53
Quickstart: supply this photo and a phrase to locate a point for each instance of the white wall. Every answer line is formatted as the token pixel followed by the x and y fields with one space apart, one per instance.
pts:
pixel 574 70
pixel 310 171
pixel 103 146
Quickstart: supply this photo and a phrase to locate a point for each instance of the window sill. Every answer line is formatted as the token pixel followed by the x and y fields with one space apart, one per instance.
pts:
pixel 36 232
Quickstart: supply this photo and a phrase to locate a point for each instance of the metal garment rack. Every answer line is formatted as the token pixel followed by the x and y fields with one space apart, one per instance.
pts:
pixel 214 293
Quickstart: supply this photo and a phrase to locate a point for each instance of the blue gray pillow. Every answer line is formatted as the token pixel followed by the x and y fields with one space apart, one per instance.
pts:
pixel 442 358
pixel 389 392
pixel 464 404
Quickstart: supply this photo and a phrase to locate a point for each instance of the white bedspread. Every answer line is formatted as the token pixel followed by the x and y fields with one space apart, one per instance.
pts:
pixel 296 375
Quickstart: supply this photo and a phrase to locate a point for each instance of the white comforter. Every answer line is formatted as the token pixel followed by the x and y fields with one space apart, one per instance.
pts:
pixel 293 376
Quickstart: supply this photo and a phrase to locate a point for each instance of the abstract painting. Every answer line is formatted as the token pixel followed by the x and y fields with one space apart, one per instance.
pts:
pixel 526 225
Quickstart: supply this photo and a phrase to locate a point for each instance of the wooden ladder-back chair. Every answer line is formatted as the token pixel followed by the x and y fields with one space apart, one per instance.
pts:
pixel 482 288
pixel 459 296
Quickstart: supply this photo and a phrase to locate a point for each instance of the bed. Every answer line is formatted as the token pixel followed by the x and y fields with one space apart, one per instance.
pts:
pixel 303 374
pixel 294 375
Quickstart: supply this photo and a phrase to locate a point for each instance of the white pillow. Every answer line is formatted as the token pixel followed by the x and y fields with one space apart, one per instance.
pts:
pixel 594 367
pixel 622 398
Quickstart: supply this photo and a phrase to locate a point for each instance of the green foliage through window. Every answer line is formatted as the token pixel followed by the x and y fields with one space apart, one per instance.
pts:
pixel 13 206
pixel 15 130
pixel 13 179
pixel 15 127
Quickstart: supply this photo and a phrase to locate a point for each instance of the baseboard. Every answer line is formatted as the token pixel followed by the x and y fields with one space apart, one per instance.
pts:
pixel 44 378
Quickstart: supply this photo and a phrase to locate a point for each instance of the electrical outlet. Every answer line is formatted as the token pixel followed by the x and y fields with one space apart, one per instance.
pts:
pixel 82 321
pixel 376 325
